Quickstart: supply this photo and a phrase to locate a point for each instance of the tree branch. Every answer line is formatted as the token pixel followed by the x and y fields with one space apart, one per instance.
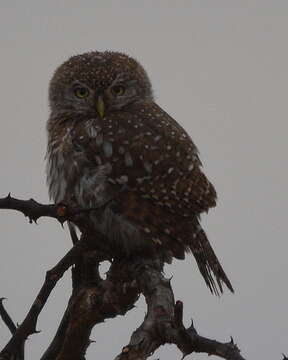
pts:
pixel 28 326
pixel 93 299
pixel 12 327
pixel 34 210
pixel 163 322
pixel 6 318
pixel 93 304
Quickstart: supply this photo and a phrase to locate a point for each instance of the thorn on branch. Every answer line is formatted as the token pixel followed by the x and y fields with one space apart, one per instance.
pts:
pixel 192 328
pixel 6 317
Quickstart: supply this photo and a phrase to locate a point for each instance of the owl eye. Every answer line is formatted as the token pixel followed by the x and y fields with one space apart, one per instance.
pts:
pixel 81 92
pixel 118 90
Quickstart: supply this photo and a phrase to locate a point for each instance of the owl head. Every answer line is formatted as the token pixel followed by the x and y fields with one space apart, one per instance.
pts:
pixel 98 82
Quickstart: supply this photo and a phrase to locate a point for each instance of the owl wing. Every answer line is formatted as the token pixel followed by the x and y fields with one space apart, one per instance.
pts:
pixel 155 160
pixel 161 162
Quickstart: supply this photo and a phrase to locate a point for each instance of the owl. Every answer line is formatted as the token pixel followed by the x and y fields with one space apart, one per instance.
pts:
pixel 113 149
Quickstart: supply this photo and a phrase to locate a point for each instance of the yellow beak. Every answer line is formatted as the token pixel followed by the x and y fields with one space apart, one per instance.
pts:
pixel 100 106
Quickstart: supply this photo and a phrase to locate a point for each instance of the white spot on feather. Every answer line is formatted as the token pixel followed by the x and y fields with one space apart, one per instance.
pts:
pixel 122 179
pixel 157 241
pixel 147 166
pixel 128 159
pixel 107 148
pixel 99 139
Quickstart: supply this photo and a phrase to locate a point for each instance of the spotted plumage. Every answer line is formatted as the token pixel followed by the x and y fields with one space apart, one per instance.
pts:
pixel 111 146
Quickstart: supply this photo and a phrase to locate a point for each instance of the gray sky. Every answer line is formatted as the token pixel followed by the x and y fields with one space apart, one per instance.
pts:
pixel 220 68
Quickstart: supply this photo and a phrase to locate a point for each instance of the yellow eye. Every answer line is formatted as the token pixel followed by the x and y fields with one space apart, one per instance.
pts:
pixel 118 90
pixel 81 92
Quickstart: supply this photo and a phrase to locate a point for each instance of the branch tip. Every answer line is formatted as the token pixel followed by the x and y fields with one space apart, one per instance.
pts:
pixel 125 349
pixel 61 210
pixel 178 313
pixel 184 356
pixel 192 328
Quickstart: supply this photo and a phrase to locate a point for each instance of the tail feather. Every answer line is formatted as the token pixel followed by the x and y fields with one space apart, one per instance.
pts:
pixel 209 264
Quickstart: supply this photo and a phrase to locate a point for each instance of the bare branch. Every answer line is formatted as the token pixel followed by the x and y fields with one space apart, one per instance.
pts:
pixel 6 317
pixel 93 304
pixel 79 280
pixel 188 341
pixel 12 327
pixel 94 299
pixel 28 326
pixel 163 322
pixel 34 210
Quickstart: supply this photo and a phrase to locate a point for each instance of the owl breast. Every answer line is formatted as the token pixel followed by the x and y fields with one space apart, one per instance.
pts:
pixel 86 168
pixel 74 175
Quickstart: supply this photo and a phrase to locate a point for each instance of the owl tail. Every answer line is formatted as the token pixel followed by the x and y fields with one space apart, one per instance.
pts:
pixel 208 263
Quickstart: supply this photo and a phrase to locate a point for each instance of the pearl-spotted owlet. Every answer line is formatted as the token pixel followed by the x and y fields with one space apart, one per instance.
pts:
pixel 111 147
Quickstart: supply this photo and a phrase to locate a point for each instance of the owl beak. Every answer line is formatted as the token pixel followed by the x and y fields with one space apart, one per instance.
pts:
pixel 100 106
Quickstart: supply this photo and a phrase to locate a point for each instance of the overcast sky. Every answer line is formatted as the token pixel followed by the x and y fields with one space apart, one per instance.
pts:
pixel 220 68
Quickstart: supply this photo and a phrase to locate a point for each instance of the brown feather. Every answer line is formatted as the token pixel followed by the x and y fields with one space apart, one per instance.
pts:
pixel 136 158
